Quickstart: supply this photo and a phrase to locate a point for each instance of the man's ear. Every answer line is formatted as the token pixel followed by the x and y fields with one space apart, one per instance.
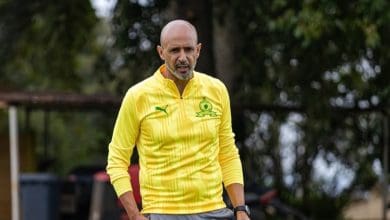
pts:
pixel 198 47
pixel 160 52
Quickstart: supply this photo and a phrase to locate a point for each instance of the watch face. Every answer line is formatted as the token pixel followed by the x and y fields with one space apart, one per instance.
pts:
pixel 247 210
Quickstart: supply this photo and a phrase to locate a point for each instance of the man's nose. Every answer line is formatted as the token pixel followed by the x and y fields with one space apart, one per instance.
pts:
pixel 182 55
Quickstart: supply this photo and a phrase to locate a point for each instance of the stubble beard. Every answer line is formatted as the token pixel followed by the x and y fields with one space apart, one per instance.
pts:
pixel 184 77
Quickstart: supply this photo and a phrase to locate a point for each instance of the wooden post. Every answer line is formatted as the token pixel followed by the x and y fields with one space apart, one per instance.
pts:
pixel 14 156
pixel 385 164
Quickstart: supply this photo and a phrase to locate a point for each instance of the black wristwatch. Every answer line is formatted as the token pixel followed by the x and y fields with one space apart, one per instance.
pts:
pixel 244 208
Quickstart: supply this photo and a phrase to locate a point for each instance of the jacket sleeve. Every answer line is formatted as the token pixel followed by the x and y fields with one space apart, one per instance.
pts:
pixel 121 147
pixel 229 157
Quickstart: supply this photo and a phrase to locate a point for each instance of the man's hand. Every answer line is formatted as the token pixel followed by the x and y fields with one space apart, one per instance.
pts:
pixel 137 217
pixel 241 215
pixel 128 202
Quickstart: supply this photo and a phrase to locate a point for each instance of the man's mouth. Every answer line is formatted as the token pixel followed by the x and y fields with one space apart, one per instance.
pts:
pixel 182 68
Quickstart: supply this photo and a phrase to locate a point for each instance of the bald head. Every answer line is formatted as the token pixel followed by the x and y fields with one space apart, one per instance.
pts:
pixel 176 26
pixel 179 49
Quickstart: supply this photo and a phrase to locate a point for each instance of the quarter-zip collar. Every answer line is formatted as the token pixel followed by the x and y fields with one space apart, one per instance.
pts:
pixel 170 85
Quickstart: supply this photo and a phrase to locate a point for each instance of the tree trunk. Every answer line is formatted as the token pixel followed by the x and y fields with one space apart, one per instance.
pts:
pixel 225 37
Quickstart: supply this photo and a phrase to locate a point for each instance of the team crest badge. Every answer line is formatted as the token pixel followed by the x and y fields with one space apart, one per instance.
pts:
pixel 206 108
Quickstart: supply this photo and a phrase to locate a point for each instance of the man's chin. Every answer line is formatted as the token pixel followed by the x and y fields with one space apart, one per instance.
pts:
pixel 183 75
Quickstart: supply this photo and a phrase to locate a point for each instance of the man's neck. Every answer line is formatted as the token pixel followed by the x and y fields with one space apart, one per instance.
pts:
pixel 180 84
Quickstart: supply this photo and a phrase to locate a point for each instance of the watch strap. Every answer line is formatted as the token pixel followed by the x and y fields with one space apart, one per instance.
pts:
pixel 244 208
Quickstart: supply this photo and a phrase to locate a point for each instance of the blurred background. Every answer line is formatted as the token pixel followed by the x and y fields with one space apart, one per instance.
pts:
pixel 309 83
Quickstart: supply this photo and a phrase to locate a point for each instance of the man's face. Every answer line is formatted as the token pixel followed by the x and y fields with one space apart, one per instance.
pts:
pixel 180 52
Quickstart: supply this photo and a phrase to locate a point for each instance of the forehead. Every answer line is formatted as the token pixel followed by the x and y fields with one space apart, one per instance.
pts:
pixel 178 35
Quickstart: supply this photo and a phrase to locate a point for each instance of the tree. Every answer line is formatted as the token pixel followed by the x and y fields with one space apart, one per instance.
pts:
pixel 316 56
pixel 42 42
pixel 52 46
pixel 317 70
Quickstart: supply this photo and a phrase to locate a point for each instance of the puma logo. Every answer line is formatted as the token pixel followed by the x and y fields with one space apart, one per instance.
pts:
pixel 162 109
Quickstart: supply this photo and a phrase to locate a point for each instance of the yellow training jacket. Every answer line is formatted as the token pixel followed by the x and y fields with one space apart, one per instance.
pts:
pixel 185 144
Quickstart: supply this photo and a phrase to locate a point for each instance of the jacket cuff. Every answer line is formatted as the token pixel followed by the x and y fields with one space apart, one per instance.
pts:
pixel 122 185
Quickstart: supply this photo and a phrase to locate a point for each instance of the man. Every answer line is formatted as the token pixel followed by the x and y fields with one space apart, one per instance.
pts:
pixel 180 121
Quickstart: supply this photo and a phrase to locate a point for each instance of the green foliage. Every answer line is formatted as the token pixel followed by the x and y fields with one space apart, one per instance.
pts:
pixel 42 40
pixel 298 52
pixel 136 28
pixel 72 139
pixel 51 46
pixel 318 55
